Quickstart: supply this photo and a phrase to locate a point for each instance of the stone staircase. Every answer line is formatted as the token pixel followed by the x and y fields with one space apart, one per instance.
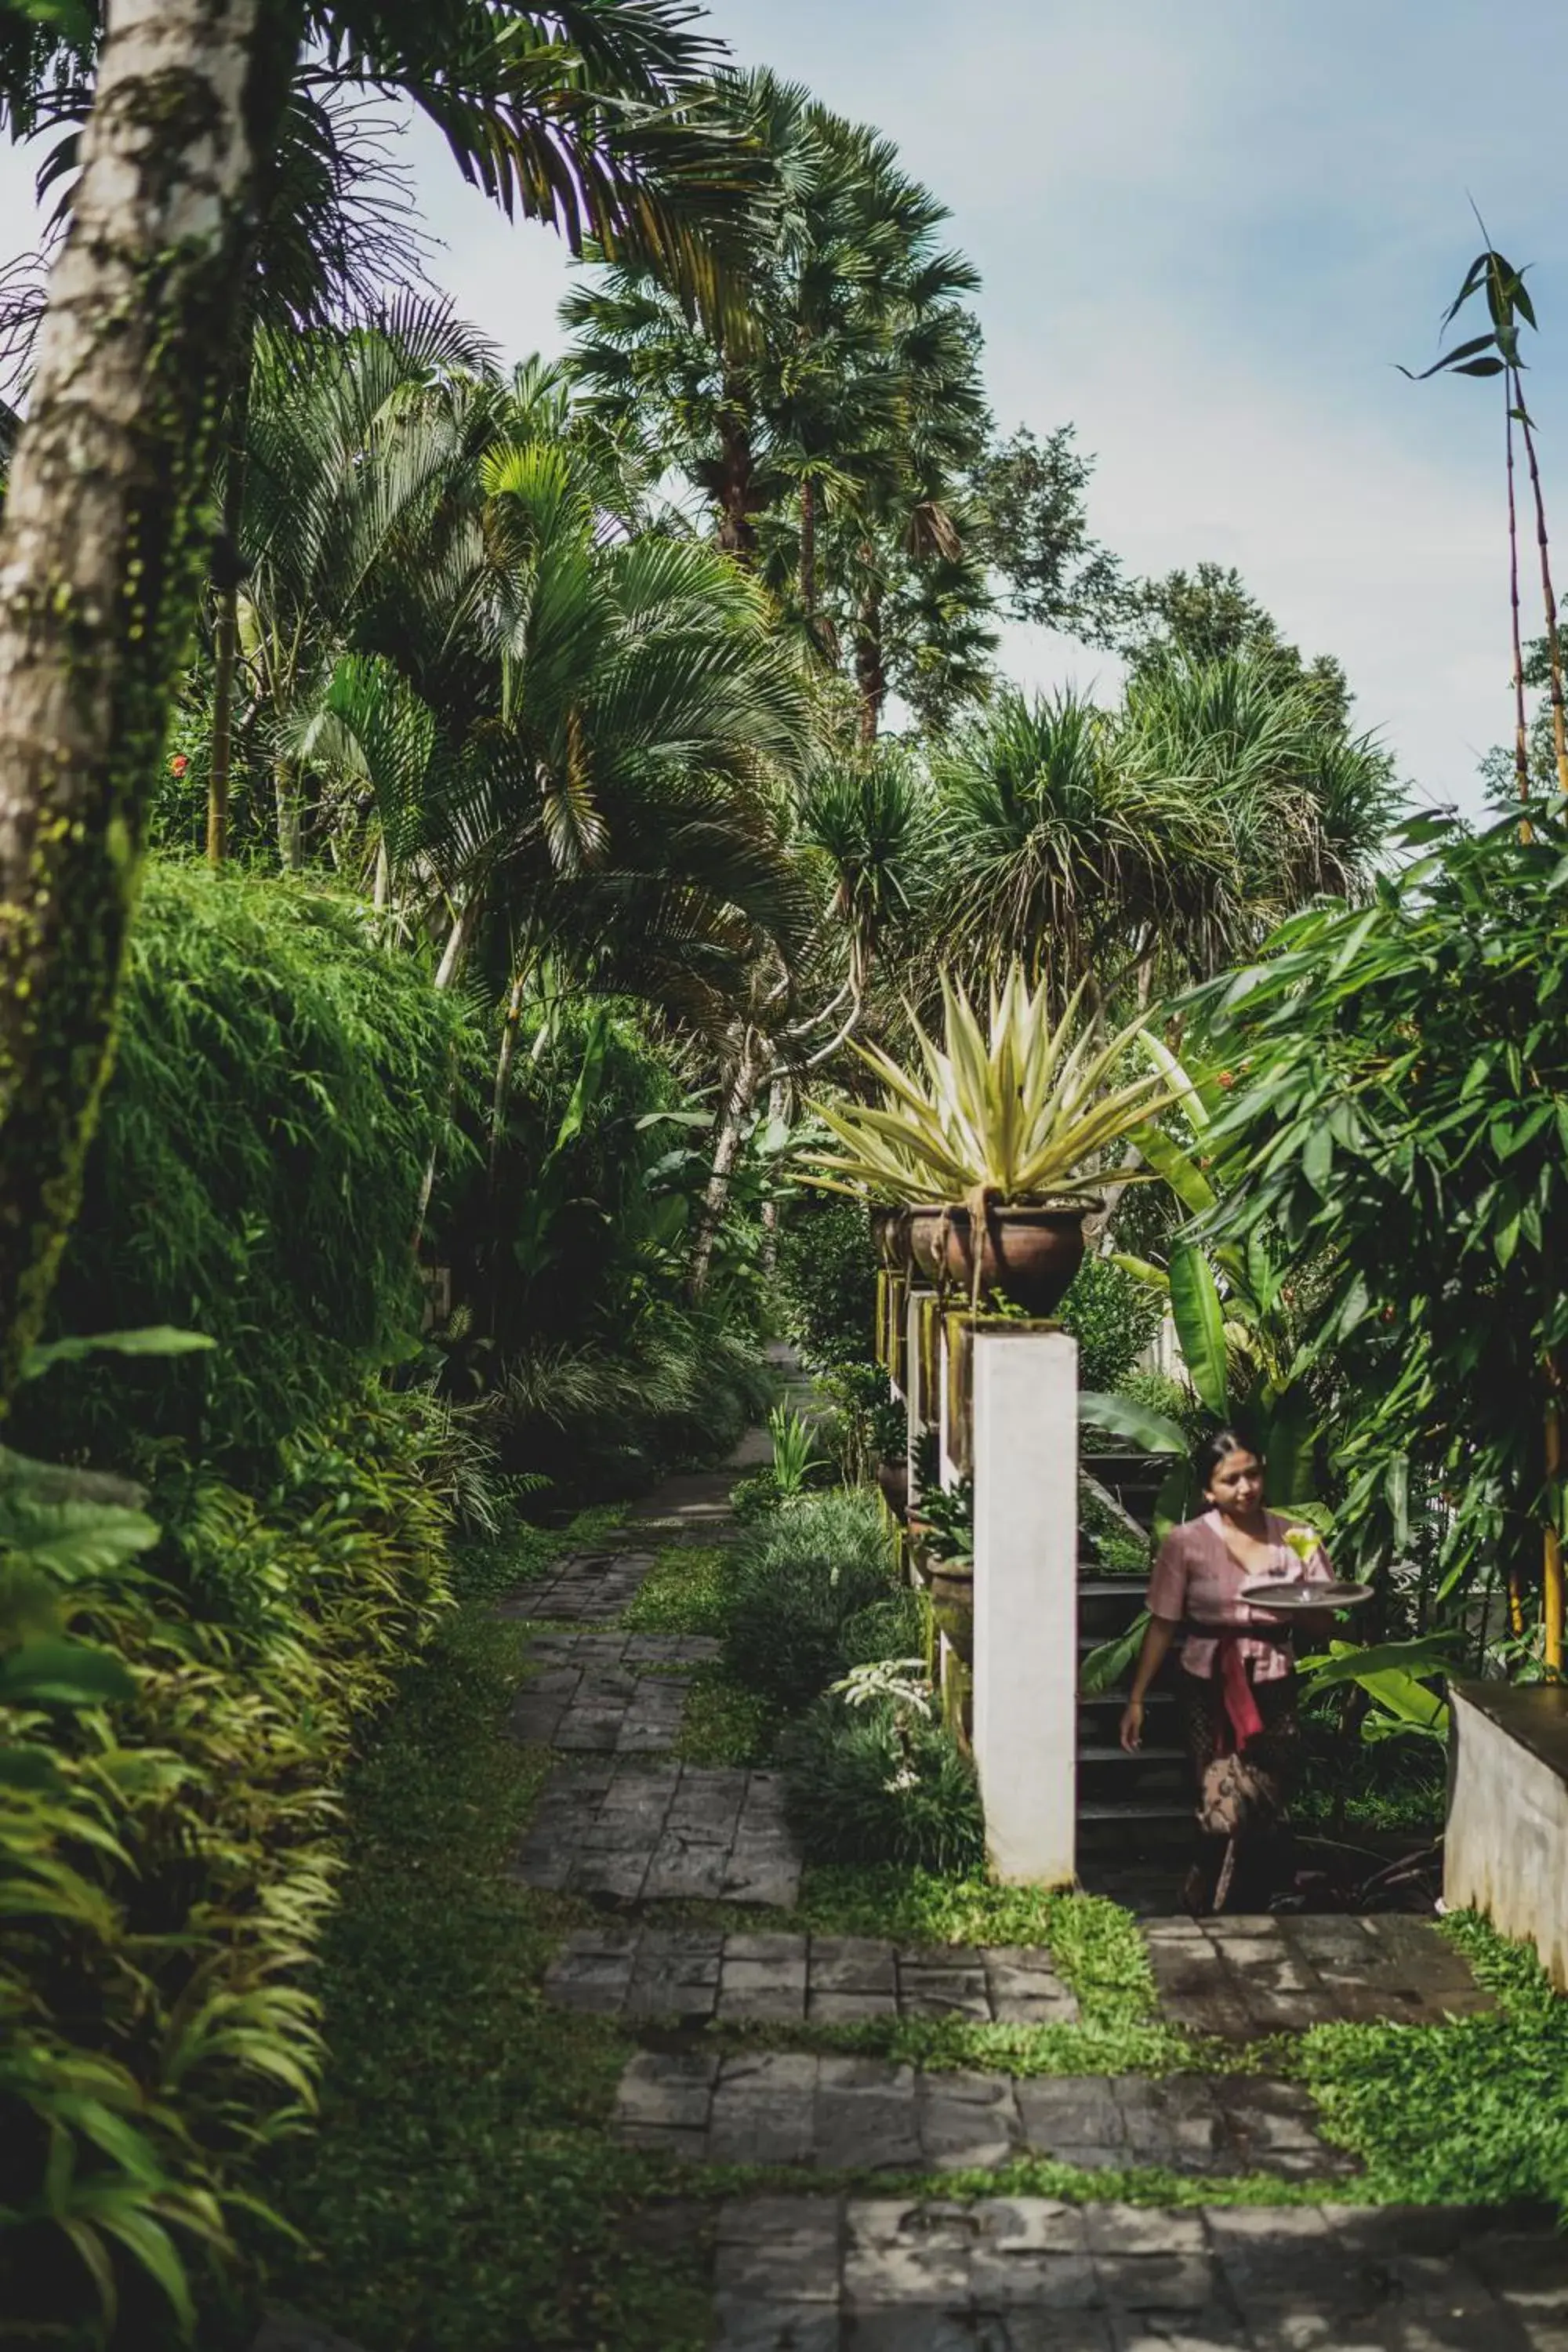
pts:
pixel 1122 1796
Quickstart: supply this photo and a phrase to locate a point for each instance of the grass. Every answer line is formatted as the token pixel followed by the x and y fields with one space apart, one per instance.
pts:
pixel 687 1591
pixel 1475 2112
pixel 460 2194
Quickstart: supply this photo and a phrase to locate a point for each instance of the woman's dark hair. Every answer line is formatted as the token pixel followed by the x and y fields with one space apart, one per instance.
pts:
pixel 1213 1451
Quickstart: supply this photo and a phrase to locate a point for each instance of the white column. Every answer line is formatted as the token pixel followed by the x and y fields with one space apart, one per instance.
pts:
pixel 1026 1599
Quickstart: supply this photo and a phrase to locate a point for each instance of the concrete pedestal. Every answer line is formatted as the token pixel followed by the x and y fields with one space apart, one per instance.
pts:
pixel 1506 1849
pixel 1026 1599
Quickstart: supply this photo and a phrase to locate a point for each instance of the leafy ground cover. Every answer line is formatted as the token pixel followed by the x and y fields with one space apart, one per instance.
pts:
pixel 460 2193
pixel 1476 2111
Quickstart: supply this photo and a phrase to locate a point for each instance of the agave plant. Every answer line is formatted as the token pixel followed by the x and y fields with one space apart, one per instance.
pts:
pixel 1027 1113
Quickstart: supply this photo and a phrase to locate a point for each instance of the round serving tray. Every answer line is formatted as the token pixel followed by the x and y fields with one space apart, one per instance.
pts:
pixel 1270 1592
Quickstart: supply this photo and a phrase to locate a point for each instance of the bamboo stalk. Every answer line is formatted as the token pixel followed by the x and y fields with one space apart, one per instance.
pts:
pixel 1549 598
pixel 1552 1591
pixel 1521 731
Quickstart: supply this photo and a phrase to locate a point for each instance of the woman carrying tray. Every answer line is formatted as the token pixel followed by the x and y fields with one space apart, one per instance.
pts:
pixel 1237 1686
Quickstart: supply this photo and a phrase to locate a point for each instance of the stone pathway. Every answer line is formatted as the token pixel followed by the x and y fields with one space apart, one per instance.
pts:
pixel 617 1693
pixel 590 1587
pixel 847 2114
pixel 772 1980
pixel 1027 2274
pixel 670 1833
pixel 624 1825
pixel 1247 1976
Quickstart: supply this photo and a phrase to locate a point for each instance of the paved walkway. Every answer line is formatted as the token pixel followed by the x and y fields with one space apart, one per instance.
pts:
pixel 848 2114
pixel 1028 2275
pixel 776 1979
pixel 1247 1976
pixel 626 1824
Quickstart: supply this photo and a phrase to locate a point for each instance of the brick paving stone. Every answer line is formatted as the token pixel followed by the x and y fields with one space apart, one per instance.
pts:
pixel 782 1978
pixel 839 2112
pixel 866 2116
pixel 609 1694
pixel 1029 2275
pixel 1246 1977
pixel 586 1588
pixel 661 1830
pixel 763 2109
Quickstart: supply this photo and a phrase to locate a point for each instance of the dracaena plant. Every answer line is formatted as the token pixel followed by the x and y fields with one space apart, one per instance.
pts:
pixel 1023 1110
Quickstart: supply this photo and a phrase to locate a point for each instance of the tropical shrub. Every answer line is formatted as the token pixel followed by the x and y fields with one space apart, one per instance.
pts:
pixel 827 1278
pixel 883 1780
pixel 1405 1119
pixel 280 1088
pixel 1112 1316
pixel 166 1854
pixel 799 1578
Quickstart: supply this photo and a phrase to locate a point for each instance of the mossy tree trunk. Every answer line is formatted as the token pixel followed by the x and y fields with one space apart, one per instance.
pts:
pixel 729 1135
pixel 102 557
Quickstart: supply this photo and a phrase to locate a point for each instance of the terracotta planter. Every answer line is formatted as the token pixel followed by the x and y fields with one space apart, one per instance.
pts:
pixel 1029 1255
pixel 890 1238
pixel 953 1606
pixel 893 1477
pixel 924 1227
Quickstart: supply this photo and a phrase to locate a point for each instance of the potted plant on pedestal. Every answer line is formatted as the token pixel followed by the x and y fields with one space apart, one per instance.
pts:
pixel 996 1141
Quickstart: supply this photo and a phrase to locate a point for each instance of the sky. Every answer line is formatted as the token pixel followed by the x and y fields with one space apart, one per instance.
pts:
pixel 1208 233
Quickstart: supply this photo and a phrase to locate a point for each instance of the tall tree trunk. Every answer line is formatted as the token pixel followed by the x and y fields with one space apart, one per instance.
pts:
pixel 809 554
pixel 737 494
pixel 871 673
pixel 102 558
pixel 727 1140
pixel 778 1104
pixel 504 1059
pixel 227 572
pixel 458 940
pixel 286 791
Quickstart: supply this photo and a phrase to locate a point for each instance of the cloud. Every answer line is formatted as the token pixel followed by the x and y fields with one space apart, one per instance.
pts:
pixel 1206 233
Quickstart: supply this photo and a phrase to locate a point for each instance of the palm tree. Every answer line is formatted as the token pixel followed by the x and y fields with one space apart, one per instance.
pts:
pixel 588 114
pixel 1062 856
pixel 512 703
pixel 353 442
pixel 839 414
pixel 1163 840
pixel 1307 803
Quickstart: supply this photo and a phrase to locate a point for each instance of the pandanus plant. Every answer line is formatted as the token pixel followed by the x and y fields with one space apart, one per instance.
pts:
pixel 1022 1111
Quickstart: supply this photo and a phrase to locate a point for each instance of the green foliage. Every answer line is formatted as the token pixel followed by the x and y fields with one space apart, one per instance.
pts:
pixel 277 1092
pixel 798 1579
pixel 568 1254
pixel 795 1456
pixel 1172 1399
pixel 882 1782
pixel 827 1278
pixel 460 2191
pixel 949 1511
pixel 868 1426
pixel 1018 1110
pixel 169 1856
pixel 1405 1116
pixel 687 1591
pixel 1112 1316
pixel 1095 1944
pixel 1473 2112
pixel 754 1497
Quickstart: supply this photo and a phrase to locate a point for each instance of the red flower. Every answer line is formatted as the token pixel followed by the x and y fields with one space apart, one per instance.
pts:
pixel 1225 1079
pixel 178 764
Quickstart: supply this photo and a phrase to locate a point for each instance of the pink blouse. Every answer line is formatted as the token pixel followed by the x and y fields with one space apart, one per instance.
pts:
pixel 1196 1576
